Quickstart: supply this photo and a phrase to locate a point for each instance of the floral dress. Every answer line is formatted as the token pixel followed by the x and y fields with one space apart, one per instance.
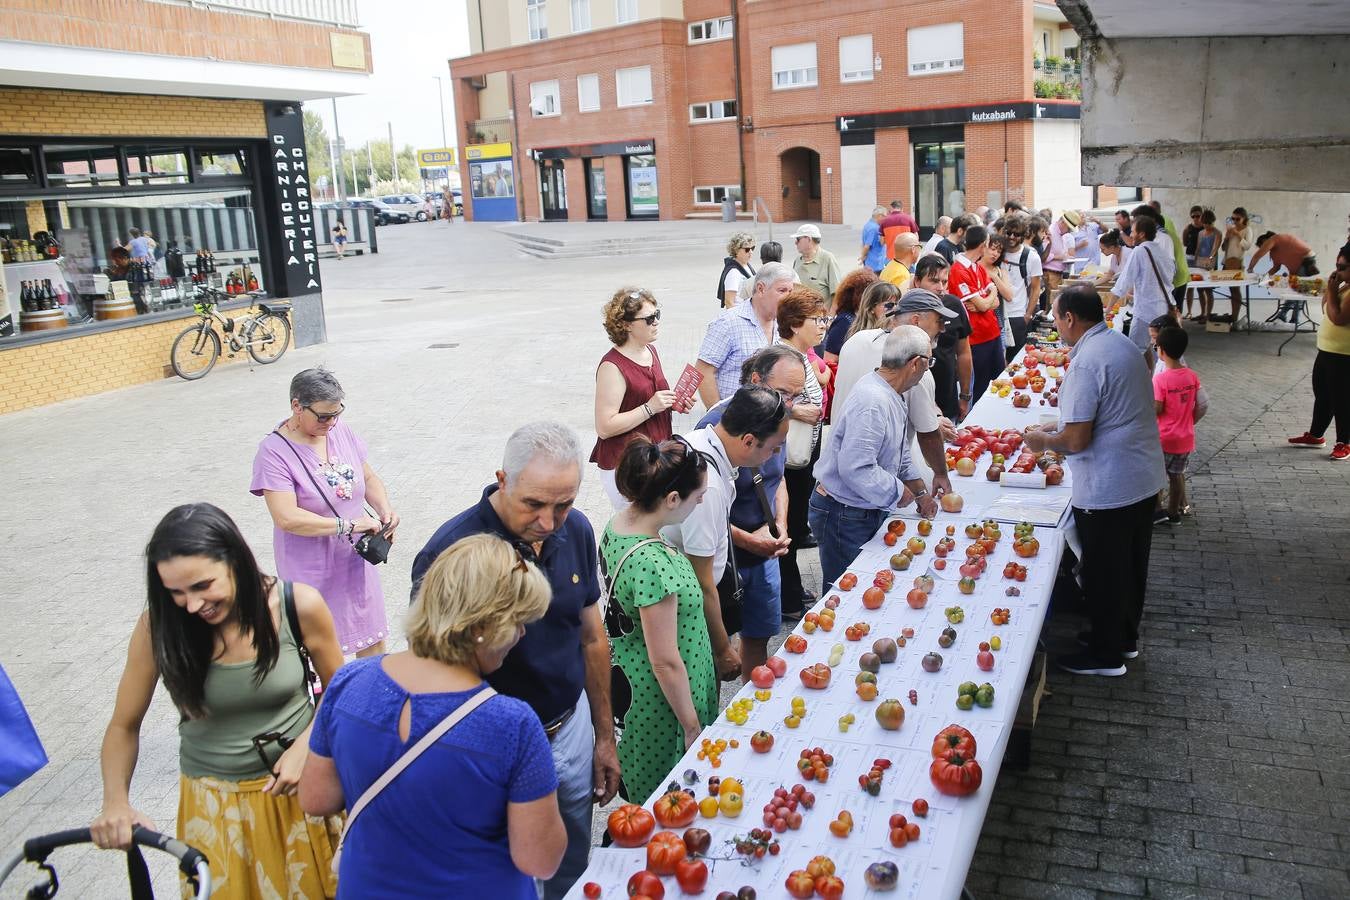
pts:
pixel 652 740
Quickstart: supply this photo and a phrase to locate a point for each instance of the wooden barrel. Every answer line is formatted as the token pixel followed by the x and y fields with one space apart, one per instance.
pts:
pixel 42 320
pixel 112 308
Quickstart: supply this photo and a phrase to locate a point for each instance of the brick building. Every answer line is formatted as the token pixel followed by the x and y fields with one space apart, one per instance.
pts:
pixel 181 119
pixel 629 109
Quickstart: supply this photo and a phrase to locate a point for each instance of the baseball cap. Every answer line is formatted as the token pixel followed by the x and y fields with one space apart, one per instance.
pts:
pixel 920 300
pixel 807 230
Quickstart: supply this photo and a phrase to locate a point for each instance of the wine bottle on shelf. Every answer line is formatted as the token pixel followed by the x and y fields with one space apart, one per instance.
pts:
pixel 52 300
pixel 25 299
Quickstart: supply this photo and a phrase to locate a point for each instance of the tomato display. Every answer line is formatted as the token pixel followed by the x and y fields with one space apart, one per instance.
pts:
pixel 794 643
pixel 955 775
pixel 630 825
pixel 890 715
pixel 645 884
pixel 697 841
pixel 664 850
pixel 675 809
pixel 954 737
pixel 816 676
pixel 800 884
pixel 691 875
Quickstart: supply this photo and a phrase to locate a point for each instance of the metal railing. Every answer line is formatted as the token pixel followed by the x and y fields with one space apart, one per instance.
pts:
pixel 334 12
pixel 488 131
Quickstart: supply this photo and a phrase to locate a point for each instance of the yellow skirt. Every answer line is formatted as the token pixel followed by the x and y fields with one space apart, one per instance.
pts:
pixel 260 847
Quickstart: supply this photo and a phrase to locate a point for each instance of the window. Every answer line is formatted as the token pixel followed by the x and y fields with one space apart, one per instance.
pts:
pixel 711 195
pixel 625 11
pixel 581 15
pixel 158 165
pixel 81 165
pixel 937 49
pixel 216 163
pixel 544 99
pixel 635 85
pixel 16 165
pixel 588 93
pixel 713 111
pixel 710 30
pixel 794 66
pixel 855 58
pixel 536 16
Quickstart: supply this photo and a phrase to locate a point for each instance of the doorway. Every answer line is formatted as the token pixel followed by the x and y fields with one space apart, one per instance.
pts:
pixel 597 199
pixel 800 168
pixel 553 189
pixel 939 176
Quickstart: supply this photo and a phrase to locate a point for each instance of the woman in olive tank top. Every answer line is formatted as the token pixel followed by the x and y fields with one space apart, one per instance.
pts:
pixel 216 631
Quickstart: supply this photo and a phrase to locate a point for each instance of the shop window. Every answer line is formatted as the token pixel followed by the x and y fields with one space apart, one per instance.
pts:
pixel 16 166
pixel 625 11
pixel 220 162
pixel 712 195
pixel 714 111
pixel 82 166
pixel 581 15
pixel 855 58
pixel 937 49
pixel 794 66
pixel 588 93
pixel 635 85
pixel 710 30
pixel 536 16
pixel 148 164
pixel 544 99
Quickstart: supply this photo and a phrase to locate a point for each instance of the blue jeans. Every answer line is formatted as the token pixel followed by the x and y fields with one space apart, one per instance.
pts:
pixel 841 532
pixel 573 754
pixel 986 362
pixel 762 601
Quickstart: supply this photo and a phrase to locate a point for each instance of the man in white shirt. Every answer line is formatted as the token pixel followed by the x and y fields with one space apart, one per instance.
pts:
pixel 752 429
pixel 1022 268
pixel 940 231
pixel 1148 274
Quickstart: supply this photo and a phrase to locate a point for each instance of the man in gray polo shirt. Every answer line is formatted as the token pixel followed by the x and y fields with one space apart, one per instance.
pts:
pixel 1108 426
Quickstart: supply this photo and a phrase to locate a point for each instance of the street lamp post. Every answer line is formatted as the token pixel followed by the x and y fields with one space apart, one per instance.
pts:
pixel 440 94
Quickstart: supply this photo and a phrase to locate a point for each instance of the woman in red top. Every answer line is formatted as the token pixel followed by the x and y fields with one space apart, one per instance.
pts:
pixel 632 395
pixel 969 280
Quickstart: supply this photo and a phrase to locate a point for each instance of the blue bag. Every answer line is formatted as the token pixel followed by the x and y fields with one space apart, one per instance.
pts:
pixel 21 752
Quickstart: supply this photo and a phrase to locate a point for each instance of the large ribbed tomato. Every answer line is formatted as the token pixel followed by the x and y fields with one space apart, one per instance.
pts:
pixel 675 809
pixel 954 737
pixel 630 825
pixel 664 852
pixel 955 775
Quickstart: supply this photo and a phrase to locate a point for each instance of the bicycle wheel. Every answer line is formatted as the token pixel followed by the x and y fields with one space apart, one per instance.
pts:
pixel 195 351
pixel 268 338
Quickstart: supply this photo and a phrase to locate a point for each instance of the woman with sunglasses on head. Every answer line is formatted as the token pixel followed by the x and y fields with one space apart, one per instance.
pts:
pixel 664 687
pixel 313 473
pixel 218 633
pixel 632 396
pixel 736 268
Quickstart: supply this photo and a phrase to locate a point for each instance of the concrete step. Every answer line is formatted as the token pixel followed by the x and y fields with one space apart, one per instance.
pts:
pixel 542 247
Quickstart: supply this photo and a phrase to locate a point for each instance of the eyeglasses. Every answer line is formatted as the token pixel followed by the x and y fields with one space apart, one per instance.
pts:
pixel 325 418
pixel 650 320
pixel 779 408
pixel 823 321
pixel 929 360
pixel 691 457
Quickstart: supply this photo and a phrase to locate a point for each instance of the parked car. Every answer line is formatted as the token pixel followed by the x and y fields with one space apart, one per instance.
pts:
pixel 384 213
pixel 412 204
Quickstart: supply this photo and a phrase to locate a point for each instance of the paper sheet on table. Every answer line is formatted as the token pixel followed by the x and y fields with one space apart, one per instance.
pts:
pixel 1028 506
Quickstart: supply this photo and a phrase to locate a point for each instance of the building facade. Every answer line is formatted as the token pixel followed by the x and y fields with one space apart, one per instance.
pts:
pixel 639 109
pixel 182 121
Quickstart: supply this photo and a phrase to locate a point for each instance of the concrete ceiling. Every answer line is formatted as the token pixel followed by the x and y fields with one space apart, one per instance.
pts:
pixel 1207 18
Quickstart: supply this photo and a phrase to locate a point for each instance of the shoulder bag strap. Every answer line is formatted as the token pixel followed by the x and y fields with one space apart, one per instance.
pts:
pixel 314 481
pixel 410 756
pixel 763 496
pixel 612 577
pixel 1167 292
pixel 293 619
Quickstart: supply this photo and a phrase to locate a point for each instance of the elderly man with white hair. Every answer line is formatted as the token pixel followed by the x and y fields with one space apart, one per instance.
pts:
pixel 561 665
pixel 865 469
pixel 736 333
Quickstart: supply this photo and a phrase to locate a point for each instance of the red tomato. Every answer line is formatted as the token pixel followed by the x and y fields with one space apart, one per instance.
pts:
pixel 664 850
pixel 830 887
pixel 645 884
pixel 630 825
pixel 800 884
pixel 920 807
pixel 762 677
pixel 794 643
pixel 953 737
pixel 691 875
pixel 955 775
pixel 591 890
pixel 777 665
pixel 675 810
pixel 816 677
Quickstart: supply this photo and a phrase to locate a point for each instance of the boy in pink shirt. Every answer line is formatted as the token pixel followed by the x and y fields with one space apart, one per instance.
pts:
pixel 1176 391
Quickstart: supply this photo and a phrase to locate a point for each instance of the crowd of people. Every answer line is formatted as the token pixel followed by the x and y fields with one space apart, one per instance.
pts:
pixel 828 399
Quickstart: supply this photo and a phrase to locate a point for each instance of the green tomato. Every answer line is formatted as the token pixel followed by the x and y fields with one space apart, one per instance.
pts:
pixel 967 688
pixel 985 697
pixel 964 702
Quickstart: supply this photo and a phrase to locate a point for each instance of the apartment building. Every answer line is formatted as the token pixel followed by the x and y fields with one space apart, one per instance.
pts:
pixel 180 118
pixel 641 109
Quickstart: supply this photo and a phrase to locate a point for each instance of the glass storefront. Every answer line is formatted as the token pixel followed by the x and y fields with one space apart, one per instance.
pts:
pixel 95 232
pixel 939 175
pixel 644 199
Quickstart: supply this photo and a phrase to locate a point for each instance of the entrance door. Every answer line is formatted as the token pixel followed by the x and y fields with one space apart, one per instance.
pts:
pixel 597 202
pixel 939 182
pixel 553 189
pixel 644 198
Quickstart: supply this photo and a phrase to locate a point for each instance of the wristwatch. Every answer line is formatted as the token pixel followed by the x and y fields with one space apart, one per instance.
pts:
pixel 963 396
pixel 921 494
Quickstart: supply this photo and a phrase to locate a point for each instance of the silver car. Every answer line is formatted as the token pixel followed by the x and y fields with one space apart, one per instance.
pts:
pixel 411 204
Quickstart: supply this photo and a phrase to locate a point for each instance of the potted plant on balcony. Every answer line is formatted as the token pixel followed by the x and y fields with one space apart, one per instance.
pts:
pixel 1043 88
pixel 1036 61
pixel 1052 64
pixel 1066 66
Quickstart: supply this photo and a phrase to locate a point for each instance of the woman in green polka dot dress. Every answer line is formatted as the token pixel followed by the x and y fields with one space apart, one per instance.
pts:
pixel 663 683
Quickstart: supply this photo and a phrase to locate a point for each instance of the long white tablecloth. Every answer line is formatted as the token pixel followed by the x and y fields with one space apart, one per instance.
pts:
pixel 935 866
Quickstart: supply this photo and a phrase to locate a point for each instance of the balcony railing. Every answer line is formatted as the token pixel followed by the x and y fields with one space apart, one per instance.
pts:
pixel 331 12
pixel 488 131
pixel 1057 78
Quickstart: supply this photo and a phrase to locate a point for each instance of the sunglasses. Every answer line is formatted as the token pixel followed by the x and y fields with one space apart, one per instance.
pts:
pixel 650 320
pixel 748 247
pixel 272 737
pixel 692 458
pixel 325 418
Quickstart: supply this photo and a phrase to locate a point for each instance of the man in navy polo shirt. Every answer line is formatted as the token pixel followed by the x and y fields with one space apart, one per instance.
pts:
pixel 561 666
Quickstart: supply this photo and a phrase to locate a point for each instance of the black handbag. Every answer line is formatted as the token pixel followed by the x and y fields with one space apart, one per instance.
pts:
pixel 373 547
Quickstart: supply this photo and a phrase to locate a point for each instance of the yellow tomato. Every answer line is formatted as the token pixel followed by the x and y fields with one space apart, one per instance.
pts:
pixel 708 807
pixel 730 803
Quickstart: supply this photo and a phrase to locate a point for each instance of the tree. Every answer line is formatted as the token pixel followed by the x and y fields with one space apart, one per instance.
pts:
pixel 378 155
pixel 316 145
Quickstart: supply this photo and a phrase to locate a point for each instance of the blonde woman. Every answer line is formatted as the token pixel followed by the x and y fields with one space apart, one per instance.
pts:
pixel 476 814
pixel 876 303
pixel 736 268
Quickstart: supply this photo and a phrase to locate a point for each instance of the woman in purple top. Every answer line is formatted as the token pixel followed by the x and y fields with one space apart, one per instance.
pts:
pixel 309 453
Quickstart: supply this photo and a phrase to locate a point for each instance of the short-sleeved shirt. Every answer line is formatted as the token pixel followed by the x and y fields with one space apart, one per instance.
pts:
pixel 1178 390
pixel 1016 308
pixel 863 356
pixel 821 274
pixel 966 279
pixel 896 273
pixel 410 841
pixel 1108 384
pixel 1149 284
pixel 546 668
pixel 731 339
pixel 838 332
pixel 866 455
pixel 704 532
pixel 957 329
pixel 746 512
pixel 876 248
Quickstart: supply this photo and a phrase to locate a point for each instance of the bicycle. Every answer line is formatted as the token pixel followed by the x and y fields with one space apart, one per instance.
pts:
pixel 265 336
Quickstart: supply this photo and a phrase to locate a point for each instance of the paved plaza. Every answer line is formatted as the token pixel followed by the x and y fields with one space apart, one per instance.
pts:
pixel 1219 767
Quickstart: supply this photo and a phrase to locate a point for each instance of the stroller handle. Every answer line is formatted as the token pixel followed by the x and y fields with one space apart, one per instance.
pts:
pixel 191 862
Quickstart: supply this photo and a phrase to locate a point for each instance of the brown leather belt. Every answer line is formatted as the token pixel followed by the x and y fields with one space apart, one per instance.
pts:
pixel 552 728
